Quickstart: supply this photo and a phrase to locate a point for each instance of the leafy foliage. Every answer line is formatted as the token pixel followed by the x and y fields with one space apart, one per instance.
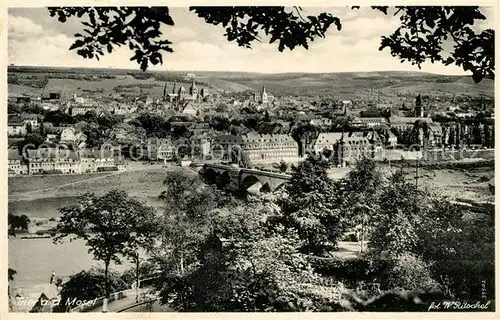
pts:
pixel 245 265
pixel 401 207
pixel 185 221
pixel 11 274
pixel 311 205
pixel 31 141
pixel 109 27
pixel 424 30
pixel 419 38
pixel 16 223
pixel 88 285
pixel 460 246
pixel 282 166
pixel 112 225
pixel 146 269
pixel 242 24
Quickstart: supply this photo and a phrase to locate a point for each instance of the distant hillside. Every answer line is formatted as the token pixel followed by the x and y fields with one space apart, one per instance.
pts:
pixel 346 85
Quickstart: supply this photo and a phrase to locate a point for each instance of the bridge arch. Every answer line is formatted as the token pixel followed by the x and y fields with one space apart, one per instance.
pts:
pixel 280 186
pixel 210 175
pixel 266 188
pixel 248 181
pixel 224 179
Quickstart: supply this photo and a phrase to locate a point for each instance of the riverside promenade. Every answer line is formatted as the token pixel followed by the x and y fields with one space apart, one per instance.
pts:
pixel 121 300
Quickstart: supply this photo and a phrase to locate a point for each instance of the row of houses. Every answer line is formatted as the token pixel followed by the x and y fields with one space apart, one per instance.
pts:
pixel 272 148
pixel 61 161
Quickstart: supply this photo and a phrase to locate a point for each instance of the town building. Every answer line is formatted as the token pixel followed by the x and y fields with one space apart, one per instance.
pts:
pixel 368 122
pixel 30 120
pixel 263 97
pixel 81 108
pixel 88 161
pixel 71 136
pixel 315 143
pixel 159 149
pixel 190 109
pixel 16 127
pixel 16 165
pixel 50 106
pixel 257 148
pixel 352 148
pixel 53 160
pixel 405 123
pixel 392 140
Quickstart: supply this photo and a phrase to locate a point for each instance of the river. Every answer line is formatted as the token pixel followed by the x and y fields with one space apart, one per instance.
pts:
pixel 35 259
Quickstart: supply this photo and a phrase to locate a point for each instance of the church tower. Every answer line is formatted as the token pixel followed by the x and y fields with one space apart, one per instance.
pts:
pixel 263 95
pixel 181 93
pixel 193 90
pixel 165 91
pixel 419 108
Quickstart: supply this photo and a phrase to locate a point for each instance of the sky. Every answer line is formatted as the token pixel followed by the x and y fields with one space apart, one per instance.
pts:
pixel 36 39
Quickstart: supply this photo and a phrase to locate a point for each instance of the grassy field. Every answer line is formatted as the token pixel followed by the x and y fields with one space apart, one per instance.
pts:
pixel 18 185
pixel 142 184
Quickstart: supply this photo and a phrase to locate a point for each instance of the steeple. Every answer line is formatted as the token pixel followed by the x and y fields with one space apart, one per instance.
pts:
pixel 419 108
pixel 165 91
pixel 175 87
pixel 193 90
pixel 263 96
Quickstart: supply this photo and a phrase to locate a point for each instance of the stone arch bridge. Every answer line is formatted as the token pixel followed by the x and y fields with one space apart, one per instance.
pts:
pixel 251 180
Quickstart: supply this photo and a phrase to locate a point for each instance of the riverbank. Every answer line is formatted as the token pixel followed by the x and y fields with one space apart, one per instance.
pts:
pixel 145 183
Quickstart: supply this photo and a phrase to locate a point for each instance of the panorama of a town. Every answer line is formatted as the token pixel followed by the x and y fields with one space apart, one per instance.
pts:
pixel 251 159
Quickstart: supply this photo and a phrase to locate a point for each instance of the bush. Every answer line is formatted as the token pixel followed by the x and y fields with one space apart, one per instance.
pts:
pixel 349 271
pixel 351 237
pixel 88 285
pixel 407 272
pixel 484 178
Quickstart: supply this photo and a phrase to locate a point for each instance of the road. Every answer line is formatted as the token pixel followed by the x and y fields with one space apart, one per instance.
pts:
pixel 117 305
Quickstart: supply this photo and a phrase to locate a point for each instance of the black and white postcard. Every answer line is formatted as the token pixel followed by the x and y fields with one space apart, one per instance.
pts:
pixel 249 159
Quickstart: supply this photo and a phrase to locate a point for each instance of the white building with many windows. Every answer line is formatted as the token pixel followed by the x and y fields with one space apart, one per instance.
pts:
pixel 259 148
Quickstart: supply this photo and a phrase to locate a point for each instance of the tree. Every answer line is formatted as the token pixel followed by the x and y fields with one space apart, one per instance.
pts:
pixel 185 218
pixel 420 36
pixel 282 166
pixel 401 206
pixel 418 101
pixel 311 205
pixel 448 233
pixel 11 273
pixel 16 223
pixel 57 117
pixel 249 264
pixel 33 140
pixel 112 226
pixel 361 190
